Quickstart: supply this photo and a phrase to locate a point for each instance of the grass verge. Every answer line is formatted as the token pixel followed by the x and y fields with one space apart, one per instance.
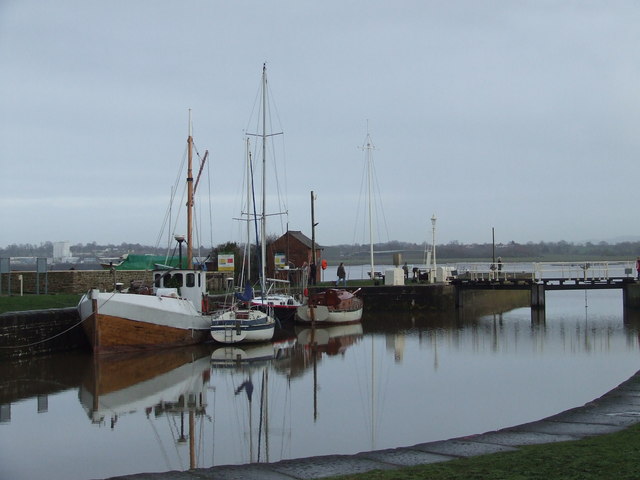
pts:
pixel 16 303
pixel 613 456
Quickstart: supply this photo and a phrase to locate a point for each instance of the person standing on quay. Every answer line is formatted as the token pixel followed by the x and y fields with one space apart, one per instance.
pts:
pixel 342 275
pixel 312 273
pixel 638 267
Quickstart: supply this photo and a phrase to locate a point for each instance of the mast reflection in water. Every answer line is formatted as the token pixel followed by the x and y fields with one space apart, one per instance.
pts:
pixel 394 380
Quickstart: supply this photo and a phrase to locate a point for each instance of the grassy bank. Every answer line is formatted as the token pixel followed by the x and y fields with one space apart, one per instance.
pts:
pixel 16 303
pixel 605 456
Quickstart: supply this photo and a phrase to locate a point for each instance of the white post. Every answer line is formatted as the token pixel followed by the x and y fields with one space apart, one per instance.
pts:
pixel 433 245
pixel 20 280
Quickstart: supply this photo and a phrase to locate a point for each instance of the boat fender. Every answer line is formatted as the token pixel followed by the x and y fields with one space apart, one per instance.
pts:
pixel 324 264
pixel 306 292
pixel 205 304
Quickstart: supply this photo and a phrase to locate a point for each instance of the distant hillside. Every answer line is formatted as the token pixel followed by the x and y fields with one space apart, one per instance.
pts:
pixel 384 252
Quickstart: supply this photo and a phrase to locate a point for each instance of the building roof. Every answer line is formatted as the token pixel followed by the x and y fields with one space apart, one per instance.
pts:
pixel 302 238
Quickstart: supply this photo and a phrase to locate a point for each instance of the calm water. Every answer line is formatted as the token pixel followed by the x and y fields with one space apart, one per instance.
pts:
pixel 392 381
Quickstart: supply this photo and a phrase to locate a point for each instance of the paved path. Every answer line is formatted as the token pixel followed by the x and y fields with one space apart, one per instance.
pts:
pixel 614 411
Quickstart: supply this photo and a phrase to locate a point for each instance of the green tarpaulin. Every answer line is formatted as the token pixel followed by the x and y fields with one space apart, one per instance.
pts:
pixel 146 262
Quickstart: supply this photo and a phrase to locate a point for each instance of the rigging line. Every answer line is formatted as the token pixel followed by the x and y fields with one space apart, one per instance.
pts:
pixel 364 386
pixel 180 210
pixel 163 450
pixel 258 239
pixel 256 102
pixel 175 444
pixel 379 199
pixel 359 207
pixel 167 214
pixel 262 394
pixel 167 219
pixel 210 205
pixel 272 107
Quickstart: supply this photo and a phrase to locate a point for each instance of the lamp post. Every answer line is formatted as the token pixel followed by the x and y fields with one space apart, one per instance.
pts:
pixel 433 243
pixel 179 239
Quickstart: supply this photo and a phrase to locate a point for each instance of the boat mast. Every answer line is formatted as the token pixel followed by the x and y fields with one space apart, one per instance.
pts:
pixel 249 190
pixel 189 197
pixel 369 147
pixel 263 224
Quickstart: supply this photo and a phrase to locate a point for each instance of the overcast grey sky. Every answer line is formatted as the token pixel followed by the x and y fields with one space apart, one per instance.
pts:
pixel 523 116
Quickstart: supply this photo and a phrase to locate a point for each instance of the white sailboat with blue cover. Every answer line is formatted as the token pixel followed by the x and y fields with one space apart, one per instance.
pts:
pixel 243 322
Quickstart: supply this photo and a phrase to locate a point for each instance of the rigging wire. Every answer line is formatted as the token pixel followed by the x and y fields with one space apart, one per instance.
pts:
pixel 281 193
pixel 163 450
pixel 166 222
pixel 373 198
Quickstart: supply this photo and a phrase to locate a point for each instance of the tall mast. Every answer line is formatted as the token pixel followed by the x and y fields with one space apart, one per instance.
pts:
pixel 249 190
pixel 263 219
pixel 313 230
pixel 369 147
pixel 190 197
pixel 263 224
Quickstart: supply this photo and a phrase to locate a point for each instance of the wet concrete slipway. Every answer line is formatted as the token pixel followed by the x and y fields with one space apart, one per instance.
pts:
pixel 614 411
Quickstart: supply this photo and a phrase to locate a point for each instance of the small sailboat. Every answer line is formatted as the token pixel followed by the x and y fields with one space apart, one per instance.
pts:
pixel 283 304
pixel 173 313
pixel 243 322
pixel 334 305
pixel 331 306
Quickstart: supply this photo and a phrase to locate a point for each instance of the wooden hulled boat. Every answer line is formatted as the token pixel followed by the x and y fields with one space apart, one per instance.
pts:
pixel 171 313
pixel 334 305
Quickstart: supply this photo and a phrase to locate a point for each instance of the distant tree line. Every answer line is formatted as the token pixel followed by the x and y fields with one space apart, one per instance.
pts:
pixel 413 252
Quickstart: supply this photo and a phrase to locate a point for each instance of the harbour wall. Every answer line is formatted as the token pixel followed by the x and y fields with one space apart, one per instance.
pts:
pixel 80 281
pixel 440 298
pixel 37 332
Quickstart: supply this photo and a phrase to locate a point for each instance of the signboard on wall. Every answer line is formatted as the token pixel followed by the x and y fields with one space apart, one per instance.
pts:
pixel 225 262
pixel 280 260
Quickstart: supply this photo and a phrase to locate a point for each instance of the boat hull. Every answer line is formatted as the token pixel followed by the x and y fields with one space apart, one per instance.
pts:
pixel 129 322
pixel 249 326
pixel 324 315
pixel 333 306
pixel 283 306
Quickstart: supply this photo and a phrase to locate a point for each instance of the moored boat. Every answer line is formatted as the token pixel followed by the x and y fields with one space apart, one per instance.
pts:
pixel 283 304
pixel 334 305
pixel 243 322
pixel 171 313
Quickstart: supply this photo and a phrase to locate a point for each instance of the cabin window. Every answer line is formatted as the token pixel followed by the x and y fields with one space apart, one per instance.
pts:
pixel 174 282
pixel 191 279
pixel 156 280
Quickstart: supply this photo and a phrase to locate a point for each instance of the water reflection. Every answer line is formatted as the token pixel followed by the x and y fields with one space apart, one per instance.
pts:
pixel 390 381
pixel 167 385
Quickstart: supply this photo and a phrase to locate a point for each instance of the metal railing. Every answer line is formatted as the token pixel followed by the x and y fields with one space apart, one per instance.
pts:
pixel 545 271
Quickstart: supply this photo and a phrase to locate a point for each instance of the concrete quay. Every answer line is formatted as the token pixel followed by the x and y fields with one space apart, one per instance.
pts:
pixel 614 411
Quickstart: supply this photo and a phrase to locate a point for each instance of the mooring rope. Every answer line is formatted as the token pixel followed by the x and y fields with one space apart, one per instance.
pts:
pixel 55 336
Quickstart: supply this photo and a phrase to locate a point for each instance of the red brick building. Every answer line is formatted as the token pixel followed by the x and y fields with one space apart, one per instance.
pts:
pixel 292 250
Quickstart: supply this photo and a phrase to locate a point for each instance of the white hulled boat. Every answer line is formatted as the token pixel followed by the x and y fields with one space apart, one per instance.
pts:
pixel 243 322
pixel 172 313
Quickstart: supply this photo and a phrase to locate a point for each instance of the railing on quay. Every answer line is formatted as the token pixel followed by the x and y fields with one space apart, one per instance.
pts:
pixel 546 271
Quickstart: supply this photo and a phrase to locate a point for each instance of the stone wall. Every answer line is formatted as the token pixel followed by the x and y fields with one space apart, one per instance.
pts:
pixel 36 332
pixel 80 281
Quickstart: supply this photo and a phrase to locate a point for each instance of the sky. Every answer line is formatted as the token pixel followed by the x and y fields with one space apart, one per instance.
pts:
pixel 519 118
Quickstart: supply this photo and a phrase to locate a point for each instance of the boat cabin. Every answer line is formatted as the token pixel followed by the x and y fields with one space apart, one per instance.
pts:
pixel 189 284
